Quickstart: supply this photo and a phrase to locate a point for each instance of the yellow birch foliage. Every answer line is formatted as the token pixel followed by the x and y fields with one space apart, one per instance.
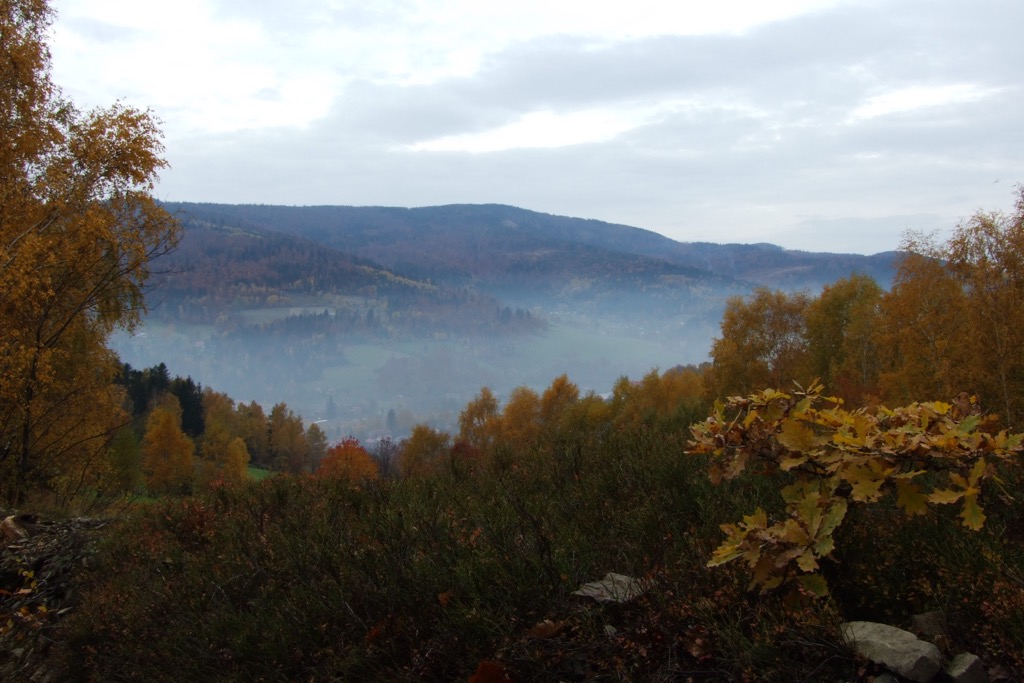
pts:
pixel 520 421
pixel 762 343
pixel 556 401
pixel 288 447
pixel 253 426
pixel 78 227
pixel 479 421
pixel 168 453
pixel 424 452
pixel 841 338
pixel 922 336
pixel 985 255
pixel 954 319
pixel 235 467
pixel 658 399
pixel 225 456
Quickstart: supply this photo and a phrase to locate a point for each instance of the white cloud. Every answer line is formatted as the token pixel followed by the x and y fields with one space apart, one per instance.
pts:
pixel 200 72
pixel 912 98
pixel 209 63
pixel 547 129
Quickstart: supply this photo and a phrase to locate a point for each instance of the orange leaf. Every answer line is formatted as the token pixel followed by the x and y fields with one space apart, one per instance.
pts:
pixel 490 672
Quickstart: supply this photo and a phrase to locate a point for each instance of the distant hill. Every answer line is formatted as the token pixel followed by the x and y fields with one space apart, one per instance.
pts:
pixel 511 251
pixel 538 261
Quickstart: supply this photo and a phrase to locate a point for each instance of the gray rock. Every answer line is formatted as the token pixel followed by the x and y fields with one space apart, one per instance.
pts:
pixel 617 588
pixel 900 651
pixel 967 668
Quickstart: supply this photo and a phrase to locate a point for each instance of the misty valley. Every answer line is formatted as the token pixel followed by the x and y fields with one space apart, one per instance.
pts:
pixel 372 320
pixel 370 389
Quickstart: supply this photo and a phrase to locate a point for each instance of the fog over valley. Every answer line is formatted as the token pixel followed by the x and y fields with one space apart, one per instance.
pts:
pixel 372 320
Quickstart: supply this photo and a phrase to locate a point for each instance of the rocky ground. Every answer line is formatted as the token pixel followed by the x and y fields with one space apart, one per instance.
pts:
pixel 39 560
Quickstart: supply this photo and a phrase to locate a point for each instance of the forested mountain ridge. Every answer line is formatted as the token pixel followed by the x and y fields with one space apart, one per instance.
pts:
pixel 501 248
pixel 218 273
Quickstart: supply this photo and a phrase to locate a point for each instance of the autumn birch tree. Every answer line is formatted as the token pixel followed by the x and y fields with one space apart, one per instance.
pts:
pixel 841 338
pixel 478 422
pixel 78 228
pixel 763 343
pixel 921 334
pixel 986 256
pixel 168 453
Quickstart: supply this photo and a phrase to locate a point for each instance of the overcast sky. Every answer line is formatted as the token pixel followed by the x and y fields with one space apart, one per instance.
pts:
pixel 814 124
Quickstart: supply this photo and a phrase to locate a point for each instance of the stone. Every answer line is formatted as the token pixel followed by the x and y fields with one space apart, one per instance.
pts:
pixel 617 588
pixel 967 668
pixel 900 651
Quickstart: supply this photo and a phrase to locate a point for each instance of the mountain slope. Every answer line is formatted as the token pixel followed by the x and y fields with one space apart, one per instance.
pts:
pixel 494 246
pixel 220 273
pixel 523 258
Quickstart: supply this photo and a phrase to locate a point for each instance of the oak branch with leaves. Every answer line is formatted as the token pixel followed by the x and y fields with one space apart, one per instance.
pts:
pixel 923 454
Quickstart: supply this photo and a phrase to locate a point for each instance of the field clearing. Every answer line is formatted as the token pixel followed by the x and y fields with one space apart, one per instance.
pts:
pixel 258 473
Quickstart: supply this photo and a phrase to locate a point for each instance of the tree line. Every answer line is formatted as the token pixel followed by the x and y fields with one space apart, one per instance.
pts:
pixel 952 322
pixel 184 437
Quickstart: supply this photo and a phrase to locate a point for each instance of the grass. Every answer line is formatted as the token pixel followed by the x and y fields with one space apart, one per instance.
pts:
pixel 258 473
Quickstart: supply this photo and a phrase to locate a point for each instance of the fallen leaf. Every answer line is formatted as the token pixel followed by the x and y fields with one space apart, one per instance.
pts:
pixel 490 672
pixel 546 629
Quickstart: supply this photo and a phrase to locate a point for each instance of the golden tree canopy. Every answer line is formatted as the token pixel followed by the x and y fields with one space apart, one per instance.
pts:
pixel 169 454
pixel 348 460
